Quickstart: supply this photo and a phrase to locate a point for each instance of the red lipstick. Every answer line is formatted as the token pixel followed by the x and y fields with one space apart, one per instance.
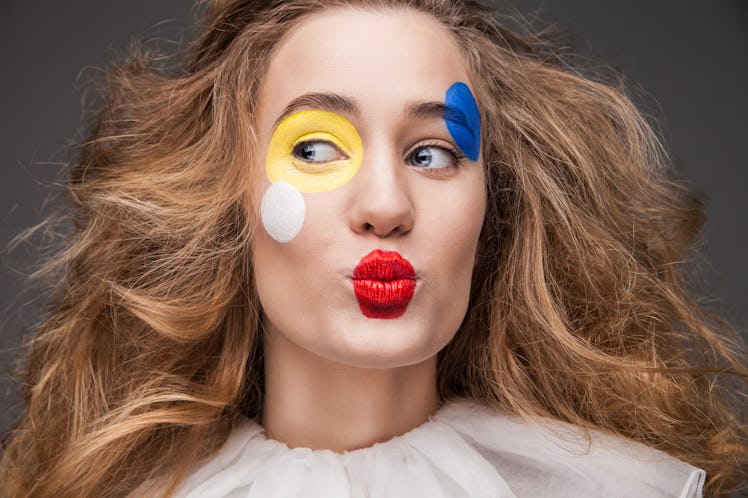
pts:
pixel 384 283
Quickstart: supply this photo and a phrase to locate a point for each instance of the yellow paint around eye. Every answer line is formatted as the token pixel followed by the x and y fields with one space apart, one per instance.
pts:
pixel 281 165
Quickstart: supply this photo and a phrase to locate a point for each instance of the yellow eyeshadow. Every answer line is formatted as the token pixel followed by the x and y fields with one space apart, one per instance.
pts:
pixel 313 125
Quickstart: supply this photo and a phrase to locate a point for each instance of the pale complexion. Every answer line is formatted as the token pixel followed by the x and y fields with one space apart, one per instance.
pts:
pixel 336 379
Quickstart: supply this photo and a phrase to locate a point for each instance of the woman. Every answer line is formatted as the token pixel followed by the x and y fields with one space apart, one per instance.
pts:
pixel 350 223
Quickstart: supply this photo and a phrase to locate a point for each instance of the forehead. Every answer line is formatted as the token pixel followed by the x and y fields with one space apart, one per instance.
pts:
pixel 383 59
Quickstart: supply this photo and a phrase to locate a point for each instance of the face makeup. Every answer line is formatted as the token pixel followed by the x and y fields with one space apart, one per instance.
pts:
pixel 314 151
pixel 310 151
pixel 317 150
pixel 383 282
pixel 463 119
pixel 282 211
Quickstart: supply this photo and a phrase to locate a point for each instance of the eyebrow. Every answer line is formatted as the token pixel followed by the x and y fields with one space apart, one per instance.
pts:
pixel 344 105
pixel 324 101
pixel 427 110
pixel 430 110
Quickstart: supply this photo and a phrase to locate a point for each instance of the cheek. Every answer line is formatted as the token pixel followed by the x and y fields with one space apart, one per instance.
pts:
pixel 453 229
pixel 460 226
pixel 300 230
pixel 461 220
pixel 282 282
pixel 461 252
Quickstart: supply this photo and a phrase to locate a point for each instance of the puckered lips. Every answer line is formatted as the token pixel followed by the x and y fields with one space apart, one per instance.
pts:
pixel 383 282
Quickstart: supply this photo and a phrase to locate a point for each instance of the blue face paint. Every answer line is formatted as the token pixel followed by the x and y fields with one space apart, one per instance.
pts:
pixel 463 119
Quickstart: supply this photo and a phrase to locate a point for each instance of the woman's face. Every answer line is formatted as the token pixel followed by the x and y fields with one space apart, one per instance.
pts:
pixel 371 188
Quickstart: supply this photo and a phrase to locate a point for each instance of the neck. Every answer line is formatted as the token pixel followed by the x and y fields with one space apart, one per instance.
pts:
pixel 312 402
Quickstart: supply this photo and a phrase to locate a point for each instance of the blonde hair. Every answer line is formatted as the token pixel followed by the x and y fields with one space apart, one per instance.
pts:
pixel 580 308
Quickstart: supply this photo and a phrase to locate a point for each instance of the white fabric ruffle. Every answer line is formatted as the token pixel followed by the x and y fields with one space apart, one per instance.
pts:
pixel 463 450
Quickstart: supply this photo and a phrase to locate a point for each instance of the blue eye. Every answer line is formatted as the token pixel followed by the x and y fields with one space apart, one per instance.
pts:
pixel 317 152
pixel 432 157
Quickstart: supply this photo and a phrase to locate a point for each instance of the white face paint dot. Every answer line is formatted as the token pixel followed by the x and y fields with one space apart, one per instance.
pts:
pixel 282 211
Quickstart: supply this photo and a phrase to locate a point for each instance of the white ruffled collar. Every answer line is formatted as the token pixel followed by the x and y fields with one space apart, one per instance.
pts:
pixel 463 450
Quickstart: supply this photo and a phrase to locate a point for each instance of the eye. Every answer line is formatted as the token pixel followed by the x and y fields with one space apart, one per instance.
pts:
pixel 317 152
pixel 433 157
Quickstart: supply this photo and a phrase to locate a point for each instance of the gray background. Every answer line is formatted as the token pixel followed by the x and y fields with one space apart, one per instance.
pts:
pixel 688 60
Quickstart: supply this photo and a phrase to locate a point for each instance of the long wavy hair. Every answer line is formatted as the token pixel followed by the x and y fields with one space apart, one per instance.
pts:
pixel 151 350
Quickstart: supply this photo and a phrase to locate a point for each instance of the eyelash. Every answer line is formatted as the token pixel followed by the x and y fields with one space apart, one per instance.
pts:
pixel 457 156
pixel 300 145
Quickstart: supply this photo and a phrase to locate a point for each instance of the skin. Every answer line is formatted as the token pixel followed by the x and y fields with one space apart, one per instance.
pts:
pixel 336 379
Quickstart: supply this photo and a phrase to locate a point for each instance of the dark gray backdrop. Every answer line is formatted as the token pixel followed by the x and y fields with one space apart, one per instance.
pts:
pixel 689 58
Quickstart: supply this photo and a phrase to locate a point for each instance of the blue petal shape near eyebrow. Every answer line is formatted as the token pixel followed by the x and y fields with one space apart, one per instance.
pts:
pixel 463 119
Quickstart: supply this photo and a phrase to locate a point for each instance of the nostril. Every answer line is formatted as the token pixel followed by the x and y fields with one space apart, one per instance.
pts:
pixel 383 232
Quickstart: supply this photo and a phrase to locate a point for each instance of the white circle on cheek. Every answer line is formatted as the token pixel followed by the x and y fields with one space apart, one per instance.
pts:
pixel 282 211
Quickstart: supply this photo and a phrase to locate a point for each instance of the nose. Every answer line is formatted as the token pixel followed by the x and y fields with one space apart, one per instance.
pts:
pixel 381 199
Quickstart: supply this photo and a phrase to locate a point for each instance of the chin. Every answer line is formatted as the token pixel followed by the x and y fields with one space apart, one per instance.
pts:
pixel 380 343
